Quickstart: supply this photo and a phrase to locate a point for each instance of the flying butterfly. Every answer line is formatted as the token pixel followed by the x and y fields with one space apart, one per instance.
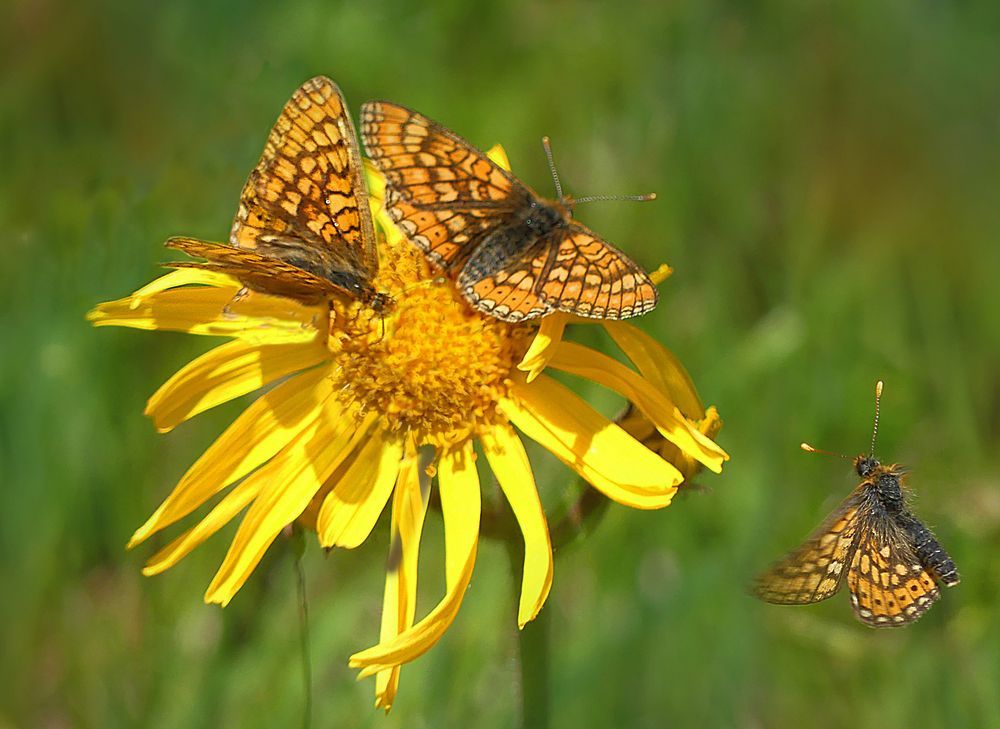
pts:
pixel 892 562
pixel 515 255
pixel 304 229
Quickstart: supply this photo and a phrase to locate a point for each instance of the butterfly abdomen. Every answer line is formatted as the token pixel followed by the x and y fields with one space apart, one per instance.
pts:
pixel 929 551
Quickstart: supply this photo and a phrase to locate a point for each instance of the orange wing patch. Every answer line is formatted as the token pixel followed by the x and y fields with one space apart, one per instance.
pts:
pixel 516 255
pixel 889 586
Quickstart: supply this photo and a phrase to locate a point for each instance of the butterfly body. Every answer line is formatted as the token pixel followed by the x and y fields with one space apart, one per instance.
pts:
pixel 891 562
pixel 515 255
pixel 303 229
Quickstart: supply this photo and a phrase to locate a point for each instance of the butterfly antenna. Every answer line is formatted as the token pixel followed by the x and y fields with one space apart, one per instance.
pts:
pixel 809 449
pixel 601 198
pixel 552 166
pixel 878 397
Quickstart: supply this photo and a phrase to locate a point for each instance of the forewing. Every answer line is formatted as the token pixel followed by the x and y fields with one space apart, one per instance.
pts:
pixel 442 192
pixel 889 587
pixel 309 185
pixel 255 271
pixel 815 570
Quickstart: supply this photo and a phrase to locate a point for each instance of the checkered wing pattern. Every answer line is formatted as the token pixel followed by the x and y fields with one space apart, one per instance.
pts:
pixel 889 585
pixel 303 228
pixel 815 570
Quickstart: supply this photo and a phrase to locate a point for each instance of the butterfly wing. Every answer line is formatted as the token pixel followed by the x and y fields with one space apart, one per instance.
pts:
pixel 440 190
pixel 308 187
pixel 815 570
pixel 588 277
pixel 255 271
pixel 889 586
pixel 448 197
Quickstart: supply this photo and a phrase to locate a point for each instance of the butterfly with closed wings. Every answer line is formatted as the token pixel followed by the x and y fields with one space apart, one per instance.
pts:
pixel 304 229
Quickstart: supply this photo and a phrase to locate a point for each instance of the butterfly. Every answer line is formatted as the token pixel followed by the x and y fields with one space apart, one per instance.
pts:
pixel 304 229
pixel 893 564
pixel 515 255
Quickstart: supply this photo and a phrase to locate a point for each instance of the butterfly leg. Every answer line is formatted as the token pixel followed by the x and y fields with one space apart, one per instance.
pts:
pixel 227 311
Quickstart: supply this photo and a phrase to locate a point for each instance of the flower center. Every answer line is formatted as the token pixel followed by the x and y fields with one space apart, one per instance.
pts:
pixel 430 365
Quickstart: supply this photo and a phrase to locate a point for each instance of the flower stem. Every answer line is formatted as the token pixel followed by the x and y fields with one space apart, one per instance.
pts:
pixel 533 655
pixel 300 574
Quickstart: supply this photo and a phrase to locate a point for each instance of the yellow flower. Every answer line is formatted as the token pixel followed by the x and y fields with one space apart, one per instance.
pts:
pixel 348 398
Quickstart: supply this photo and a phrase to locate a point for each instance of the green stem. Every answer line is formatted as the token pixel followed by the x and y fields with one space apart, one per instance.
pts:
pixel 304 636
pixel 533 654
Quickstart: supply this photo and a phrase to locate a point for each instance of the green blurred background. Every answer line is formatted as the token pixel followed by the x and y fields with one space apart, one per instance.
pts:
pixel 828 182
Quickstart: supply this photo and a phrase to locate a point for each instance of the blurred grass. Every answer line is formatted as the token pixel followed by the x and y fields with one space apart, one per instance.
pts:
pixel 827 180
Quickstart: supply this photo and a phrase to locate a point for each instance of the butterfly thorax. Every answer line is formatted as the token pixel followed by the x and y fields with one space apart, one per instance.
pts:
pixel 525 228
pixel 544 216
pixel 882 483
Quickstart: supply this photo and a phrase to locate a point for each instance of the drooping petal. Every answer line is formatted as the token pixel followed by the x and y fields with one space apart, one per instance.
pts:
pixel 183 277
pixel 659 365
pixel 400 599
pixel 229 371
pixel 232 504
pixel 261 431
pixel 352 507
pixel 289 481
pixel 212 311
pixel 544 345
pixel 460 506
pixel 509 463
pixel 586 362
pixel 602 453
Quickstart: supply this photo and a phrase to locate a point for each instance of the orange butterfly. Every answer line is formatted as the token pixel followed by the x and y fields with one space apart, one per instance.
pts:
pixel 893 563
pixel 516 255
pixel 304 229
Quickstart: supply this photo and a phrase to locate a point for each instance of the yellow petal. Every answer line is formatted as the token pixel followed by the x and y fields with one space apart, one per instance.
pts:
pixel 602 453
pixel 262 430
pixel 499 157
pixel 229 371
pixel 352 507
pixel 659 365
pixel 289 481
pixel 460 506
pixel 184 277
pixel 509 463
pixel 400 600
pixel 589 363
pixel 375 181
pixel 661 274
pixel 223 512
pixel 212 311
pixel 544 345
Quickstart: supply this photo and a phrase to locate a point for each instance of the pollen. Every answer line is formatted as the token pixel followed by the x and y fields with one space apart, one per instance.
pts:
pixel 430 365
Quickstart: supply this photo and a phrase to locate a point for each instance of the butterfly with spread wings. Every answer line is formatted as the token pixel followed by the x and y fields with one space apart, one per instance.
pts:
pixel 304 229
pixel 893 564
pixel 515 255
